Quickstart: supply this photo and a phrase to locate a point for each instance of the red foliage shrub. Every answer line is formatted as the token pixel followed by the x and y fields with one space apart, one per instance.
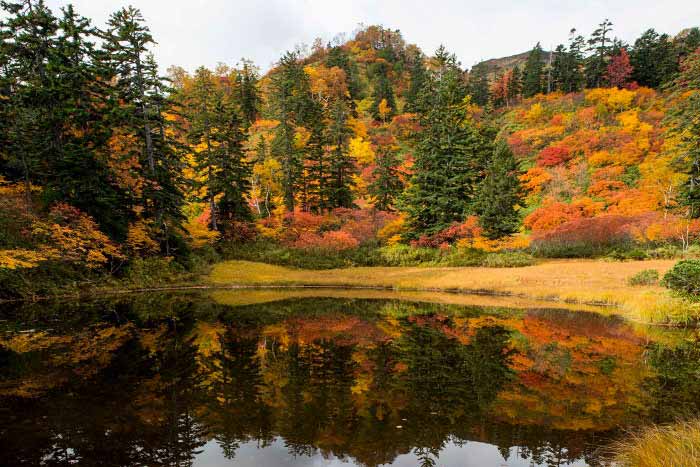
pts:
pixel 553 155
pixel 335 241
pixel 602 230
pixel 338 230
pixel 519 146
pixel 467 229
pixel 612 229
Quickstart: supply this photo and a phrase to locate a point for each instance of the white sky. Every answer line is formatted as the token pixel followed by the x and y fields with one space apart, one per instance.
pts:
pixel 204 32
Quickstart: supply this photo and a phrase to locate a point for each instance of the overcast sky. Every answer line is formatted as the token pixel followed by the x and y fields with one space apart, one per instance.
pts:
pixel 204 32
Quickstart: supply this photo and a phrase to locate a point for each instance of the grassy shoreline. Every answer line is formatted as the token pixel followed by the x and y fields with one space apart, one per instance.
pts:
pixel 587 282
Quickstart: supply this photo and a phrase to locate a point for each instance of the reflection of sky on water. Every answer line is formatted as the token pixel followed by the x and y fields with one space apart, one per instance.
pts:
pixel 471 454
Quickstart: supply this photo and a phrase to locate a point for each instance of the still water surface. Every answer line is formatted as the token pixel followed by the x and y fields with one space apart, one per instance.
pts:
pixel 207 380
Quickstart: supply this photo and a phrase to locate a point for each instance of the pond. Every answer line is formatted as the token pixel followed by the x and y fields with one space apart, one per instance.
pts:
pixel 262 378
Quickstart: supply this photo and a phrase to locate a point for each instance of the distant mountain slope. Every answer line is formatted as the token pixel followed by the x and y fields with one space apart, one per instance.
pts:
pixel 493 65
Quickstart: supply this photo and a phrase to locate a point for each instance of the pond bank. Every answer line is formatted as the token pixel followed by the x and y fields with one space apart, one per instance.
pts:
pixel 588 282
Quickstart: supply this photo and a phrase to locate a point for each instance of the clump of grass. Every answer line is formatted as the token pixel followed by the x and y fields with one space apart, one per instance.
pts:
pixel 645 277
pixel 514 259
pixel 662 307
pixel 661 446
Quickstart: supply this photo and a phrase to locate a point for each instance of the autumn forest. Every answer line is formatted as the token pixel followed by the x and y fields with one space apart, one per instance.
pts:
pixel 398 258
pixel 362 151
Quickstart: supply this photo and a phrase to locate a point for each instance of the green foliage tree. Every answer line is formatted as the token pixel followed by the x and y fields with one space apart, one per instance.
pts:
pixel 684 124
pixel 533 72
pixel 217 133
pixel 287 109
pixel 600 46
pixel 249 95
pixel 383 91
pixel 515 85
pixel 418 73
pixel 499 194
pixel 654 59
pixel 567 74
pixel 141 93
pixel 449 154
pixel 386 186
pixel 340 164
pixel 479 85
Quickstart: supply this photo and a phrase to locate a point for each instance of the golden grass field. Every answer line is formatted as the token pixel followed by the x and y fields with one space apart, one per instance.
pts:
pixel 662 446
pixel 588 282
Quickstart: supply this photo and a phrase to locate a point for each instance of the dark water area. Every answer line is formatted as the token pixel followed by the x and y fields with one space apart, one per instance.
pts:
pixel 205 380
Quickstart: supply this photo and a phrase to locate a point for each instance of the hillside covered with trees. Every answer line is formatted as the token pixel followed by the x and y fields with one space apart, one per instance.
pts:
pixel 365 150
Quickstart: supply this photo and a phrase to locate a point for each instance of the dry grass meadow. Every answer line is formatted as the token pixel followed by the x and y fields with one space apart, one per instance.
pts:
pixel 585 282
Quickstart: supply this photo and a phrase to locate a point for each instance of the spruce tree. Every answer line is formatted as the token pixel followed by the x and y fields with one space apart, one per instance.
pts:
pixel 499 194
pixel 515 85
pixel 449 155
pixel 684 124
pixel 533 72
pixel 479 85
pixel 141 93
pixel 417 81
pixel 285 108
pixel 249 96
pixel 383 91
pixel 386 186
pixel 600 44
pixel 654 59
pixel 340 164
pixel 231 177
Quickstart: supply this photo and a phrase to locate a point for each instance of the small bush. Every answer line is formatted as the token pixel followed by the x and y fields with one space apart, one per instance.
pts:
pixel 684 277
pixel 150 272
pixel 666 252
pixel 515 259
pixel 646 277
pixel 405 255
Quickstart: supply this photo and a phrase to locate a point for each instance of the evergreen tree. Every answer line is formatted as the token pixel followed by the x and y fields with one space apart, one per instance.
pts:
pixel 80 174
pixel 533 73
pixel 386 186
pixel 684 124
pixel 231 179
pixel 567 75
pixel 249 96
pixel 499 194
pixel 383 91
pixel 449 155
pixel 341 166
pixel 29 40
pixel 140 92
pixel 417 81
pixel 515 85
pixel 654 59
pixel 600 45
pixel 286 109
pixel 55 108
pixel 479 85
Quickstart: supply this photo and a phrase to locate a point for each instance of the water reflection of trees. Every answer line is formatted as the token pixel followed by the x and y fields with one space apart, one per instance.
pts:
pixel 366 380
